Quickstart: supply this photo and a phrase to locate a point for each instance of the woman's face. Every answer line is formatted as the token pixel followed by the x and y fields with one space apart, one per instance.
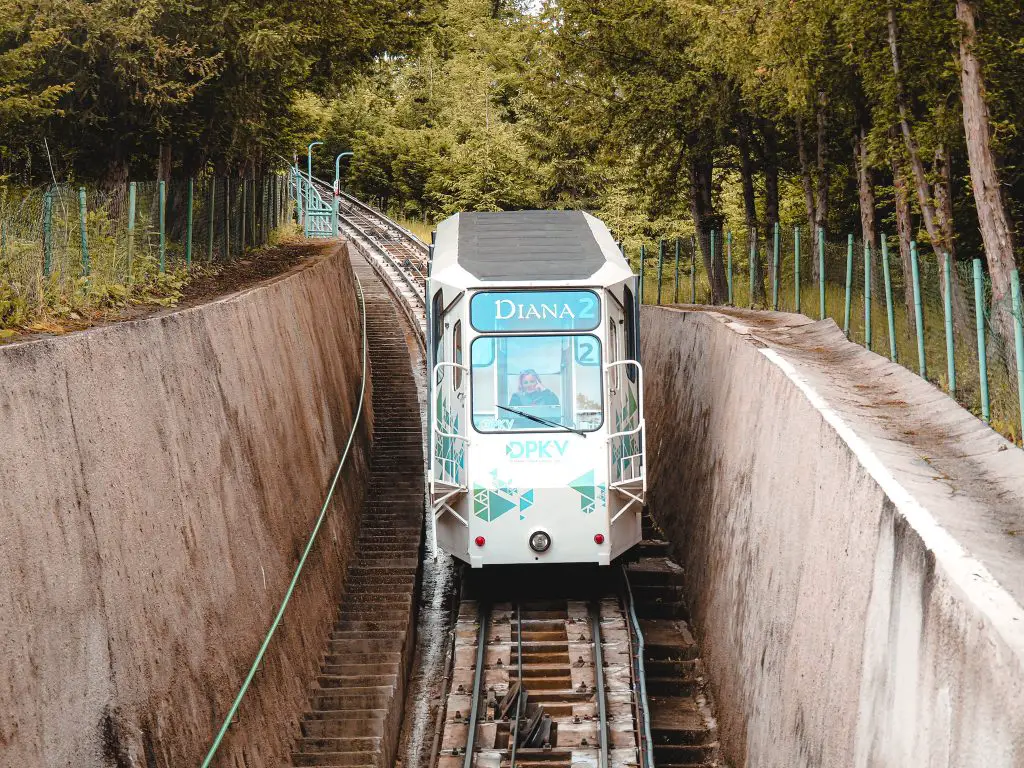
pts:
pixel 529 383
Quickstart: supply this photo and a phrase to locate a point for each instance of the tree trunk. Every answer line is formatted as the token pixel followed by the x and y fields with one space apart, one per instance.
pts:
pixel 805 175
pixel 938 224
pixel 962 318
pixel 750 211
pixel 866 198
pixel 904 230
pixel 701 206
pixel 821 195
pixel 993 219
pixel 771 179
pixel 115 184
pixel 163 169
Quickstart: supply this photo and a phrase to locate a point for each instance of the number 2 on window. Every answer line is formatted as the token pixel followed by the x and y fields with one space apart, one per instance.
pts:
pixel 589 305
pixel 586 352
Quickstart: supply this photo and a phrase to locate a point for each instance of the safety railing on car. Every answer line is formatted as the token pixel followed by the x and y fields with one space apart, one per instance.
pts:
pixel 631 478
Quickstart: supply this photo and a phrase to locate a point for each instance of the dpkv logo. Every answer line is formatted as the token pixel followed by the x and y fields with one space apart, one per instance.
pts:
pixel 535 450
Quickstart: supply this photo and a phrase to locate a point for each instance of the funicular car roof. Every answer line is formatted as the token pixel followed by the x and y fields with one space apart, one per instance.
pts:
pixel 510 246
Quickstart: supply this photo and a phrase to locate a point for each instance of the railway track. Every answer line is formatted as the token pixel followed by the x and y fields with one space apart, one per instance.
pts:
pixel 566 667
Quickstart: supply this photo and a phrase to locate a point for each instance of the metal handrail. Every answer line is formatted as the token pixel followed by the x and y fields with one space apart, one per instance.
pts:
pixel 305 554
pixel 438 367
pixel 640 394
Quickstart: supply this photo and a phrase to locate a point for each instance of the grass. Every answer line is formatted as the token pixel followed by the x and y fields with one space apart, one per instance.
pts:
pixel 1004 407
pixel 119 270
pixel 417 227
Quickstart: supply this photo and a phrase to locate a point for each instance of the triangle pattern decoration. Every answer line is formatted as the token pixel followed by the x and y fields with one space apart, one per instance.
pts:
pixel 499 505
pixel 585 487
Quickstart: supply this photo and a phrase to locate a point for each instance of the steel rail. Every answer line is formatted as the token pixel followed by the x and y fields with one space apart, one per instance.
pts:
pixel 514 735
pixel 643 708
pixel 478 678
pixel 257 662
pixel 602 711
pixel 415 241
pixel 384 253
pixel 374 244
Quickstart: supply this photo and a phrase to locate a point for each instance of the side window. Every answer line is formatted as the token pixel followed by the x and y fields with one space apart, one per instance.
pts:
pixel 613 350
pixel 457 352
pixel 438 330
pixel 629 330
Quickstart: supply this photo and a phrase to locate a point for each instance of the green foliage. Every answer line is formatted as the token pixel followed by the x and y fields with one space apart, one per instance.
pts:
pixel 117 85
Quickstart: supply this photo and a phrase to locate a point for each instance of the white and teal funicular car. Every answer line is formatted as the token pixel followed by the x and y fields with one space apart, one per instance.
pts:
pixel 536 394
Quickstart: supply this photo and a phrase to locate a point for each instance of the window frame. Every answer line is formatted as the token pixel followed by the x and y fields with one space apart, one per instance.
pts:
pixel 596 293
pixel 494 338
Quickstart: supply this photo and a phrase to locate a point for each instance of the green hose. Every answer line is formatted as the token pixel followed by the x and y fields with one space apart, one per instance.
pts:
pixel 302 560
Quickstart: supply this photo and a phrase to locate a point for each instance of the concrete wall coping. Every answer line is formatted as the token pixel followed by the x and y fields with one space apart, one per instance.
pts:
pixel 957 482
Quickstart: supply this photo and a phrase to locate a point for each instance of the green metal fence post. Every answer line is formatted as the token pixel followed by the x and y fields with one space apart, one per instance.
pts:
pixel 728 259
pixel 947 310
pixel 796 267
pixel 867 294
pixel 821 270
pixel 889 309
pixel 47 233
pixel 693 269
pixel 227 218
pixel 775 268
pixel 188 225
pixel 210 217
pixel 643 264
pixel 979 313
pixel 334 216
pixel 132 192
pixel 163 226
pixel 1018 342
pixel 849 285
pixel 661 264
pixel 918 310
pixel 676 294
pixel 82 227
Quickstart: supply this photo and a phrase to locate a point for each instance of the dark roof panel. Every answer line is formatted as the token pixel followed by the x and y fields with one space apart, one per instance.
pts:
pixel 528 245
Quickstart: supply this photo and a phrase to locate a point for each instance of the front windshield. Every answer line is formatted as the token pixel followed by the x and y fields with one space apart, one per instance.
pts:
pixel 521 382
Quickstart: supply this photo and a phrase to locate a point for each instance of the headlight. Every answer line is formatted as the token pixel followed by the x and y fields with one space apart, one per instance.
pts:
pixel 540 541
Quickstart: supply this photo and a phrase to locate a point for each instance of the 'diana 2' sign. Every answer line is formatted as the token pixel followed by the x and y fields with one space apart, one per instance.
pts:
pixel 534 311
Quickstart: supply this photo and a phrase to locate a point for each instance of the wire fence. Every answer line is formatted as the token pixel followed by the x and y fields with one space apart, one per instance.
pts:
pixel 934 315
pixel 67 249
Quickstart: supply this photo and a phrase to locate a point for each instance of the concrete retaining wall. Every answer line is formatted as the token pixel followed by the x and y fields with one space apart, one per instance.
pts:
pixel 852 546
pixel 158 481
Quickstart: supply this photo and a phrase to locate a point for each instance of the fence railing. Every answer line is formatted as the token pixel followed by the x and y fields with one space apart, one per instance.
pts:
pixel 65 248
pixel 931 314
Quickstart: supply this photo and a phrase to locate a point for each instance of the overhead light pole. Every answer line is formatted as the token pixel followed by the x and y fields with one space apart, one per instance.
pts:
pixel 337 170
pixel 335 218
